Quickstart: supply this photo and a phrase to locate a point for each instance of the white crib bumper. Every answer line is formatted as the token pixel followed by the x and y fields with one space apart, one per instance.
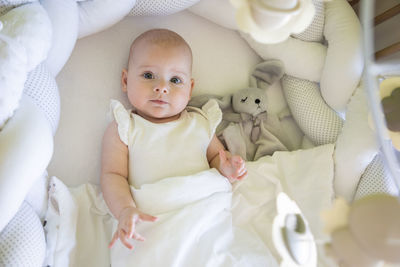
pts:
pixel 344 62
pixel 26 149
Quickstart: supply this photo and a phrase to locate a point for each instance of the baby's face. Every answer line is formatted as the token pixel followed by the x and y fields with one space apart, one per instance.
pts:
pixel 159 82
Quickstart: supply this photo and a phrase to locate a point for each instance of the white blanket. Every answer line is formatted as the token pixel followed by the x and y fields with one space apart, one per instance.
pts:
pixel 202 222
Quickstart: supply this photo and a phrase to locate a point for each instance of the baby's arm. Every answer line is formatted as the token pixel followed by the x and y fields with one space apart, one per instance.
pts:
pixel 116 189
pixel 232 167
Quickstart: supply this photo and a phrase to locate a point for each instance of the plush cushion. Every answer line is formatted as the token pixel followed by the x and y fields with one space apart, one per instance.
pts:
pixel 344 61
pixel 220 12
pixel 24 43
pixel 37 197
pixel 356 146
pixel 376 179
pixel 315 32
pixel 7 5
pixel 302 59
pixel 13 73
pixel 317 120
pixel 22 242
pixel 92 77
pixel 41 87
pixel 64 34
pixel 30 26
pixel 97 15
pixel 26 138
pixel 160 8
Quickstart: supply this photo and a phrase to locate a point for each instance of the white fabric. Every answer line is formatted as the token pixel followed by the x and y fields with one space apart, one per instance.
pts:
pixel 376 179
pixel 160 7
pixel 195 223
pixel 304 60
pixel 343 32
pixel 98 15
pixel 314 33
pixel 92 77
pixel 30 26
pixel 317 120
pixel 305 175
pixel 26 139
pixel 356 146
pixel 60 224
pixel 268 24
pixel 220 12
pixel 65 22
pixel 155 147
pixel 42 88
pixel 22 241
pixel 24 43
pixel 38 195
pixel 7 5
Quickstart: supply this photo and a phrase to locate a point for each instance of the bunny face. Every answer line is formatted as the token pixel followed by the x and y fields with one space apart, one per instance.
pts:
pixel 249 100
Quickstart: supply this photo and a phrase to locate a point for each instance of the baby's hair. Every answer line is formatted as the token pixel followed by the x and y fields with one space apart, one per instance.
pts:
pixel 163 37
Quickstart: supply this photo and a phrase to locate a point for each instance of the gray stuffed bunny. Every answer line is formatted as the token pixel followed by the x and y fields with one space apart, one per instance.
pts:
pixel 246 127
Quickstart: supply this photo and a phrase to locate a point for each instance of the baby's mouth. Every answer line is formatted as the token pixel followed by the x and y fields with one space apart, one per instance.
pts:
pixel 159 101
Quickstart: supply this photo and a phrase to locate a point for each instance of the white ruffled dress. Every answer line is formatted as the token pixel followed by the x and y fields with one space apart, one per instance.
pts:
pixel 160 150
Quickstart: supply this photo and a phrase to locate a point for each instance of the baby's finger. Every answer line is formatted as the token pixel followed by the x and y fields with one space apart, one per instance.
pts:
pixel 138 237
pixel 115 237
pixel 146 217
pixel 124 239
pixel 129 228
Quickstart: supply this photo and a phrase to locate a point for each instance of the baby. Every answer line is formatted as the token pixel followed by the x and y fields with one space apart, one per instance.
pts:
pixel 161 137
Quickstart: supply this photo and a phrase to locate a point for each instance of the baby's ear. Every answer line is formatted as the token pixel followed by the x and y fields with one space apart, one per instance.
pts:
pixel 124 80
pixel 191 86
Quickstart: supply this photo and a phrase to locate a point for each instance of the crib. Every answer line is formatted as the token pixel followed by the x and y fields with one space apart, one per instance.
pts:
pixel 51 145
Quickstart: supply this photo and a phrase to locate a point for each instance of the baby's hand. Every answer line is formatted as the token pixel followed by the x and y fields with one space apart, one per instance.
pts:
pixel 127 221
pixel 232 168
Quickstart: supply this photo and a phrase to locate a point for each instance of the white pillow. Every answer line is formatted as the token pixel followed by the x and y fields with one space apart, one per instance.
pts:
pixel 344 61
pixel 160 8
pixel 220 12
pixel 24 42
pixel 22 242
pixel 30 26
pixel 304 60
pixel 97 15
pixel 356 146
pixel 7 5
pixel 65 21
pixel 26 139
pixel 222 64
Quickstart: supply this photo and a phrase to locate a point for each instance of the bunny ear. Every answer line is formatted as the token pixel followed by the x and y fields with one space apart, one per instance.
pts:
pixel 225 102
pixel 269 72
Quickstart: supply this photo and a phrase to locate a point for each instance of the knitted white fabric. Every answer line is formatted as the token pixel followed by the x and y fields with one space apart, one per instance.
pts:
pixel 42 88
pixel 315 32
pixel 315 118
pixel 160 7
pixel 22 241
pixel 376 179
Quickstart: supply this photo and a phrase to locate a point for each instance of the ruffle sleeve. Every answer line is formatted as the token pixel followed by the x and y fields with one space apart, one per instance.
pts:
pixel 213 113
pixel 123 118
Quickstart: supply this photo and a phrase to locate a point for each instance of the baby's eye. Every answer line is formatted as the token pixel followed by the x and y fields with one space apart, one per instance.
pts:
pixel 243 100
pixel 175 80
pixel 148 75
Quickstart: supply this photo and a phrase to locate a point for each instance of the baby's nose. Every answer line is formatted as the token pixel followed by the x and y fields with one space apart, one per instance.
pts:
pixel 161 88
pixel 257 101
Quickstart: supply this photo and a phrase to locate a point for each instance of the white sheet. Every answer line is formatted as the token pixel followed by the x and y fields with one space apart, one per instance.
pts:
pixel 198 222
